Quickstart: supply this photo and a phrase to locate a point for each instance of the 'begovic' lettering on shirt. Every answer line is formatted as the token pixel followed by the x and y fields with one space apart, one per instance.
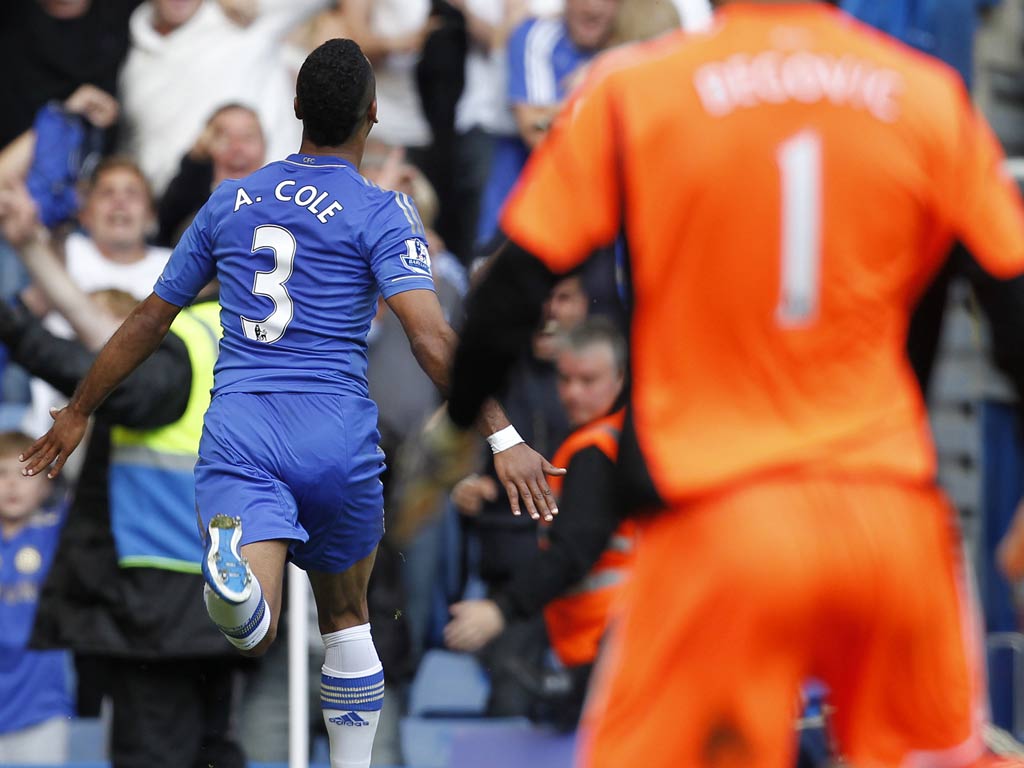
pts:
pixel 776 77
pixel 308 197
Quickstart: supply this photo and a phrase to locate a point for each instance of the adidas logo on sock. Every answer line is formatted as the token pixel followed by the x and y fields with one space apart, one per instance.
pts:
pixel 349 718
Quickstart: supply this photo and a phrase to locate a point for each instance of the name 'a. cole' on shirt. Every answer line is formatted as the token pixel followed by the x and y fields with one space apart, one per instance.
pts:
pixel 302 248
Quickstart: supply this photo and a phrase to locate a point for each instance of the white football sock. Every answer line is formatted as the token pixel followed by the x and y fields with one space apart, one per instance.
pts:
pixel 243 624
pixel 351 695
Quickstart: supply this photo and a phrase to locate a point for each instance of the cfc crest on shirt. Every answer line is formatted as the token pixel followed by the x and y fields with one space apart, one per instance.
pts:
pixel 28 560
pixel 416 257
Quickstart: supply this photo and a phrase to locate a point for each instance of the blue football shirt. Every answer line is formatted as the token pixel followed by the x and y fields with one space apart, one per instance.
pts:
pixel 34 685
pixel 541 56
pixel 302 249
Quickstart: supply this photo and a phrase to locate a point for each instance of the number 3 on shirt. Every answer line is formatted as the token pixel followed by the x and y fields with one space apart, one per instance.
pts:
pixel 799 160
pixel 271 284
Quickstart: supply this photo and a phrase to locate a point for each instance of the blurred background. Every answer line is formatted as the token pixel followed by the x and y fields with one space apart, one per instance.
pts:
pixel 118 119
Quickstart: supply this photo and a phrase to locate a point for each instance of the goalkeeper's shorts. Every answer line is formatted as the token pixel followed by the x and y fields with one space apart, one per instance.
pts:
pixel 736 600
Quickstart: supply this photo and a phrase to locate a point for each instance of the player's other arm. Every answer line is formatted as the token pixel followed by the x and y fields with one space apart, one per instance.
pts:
pixel 502 313
pixel 139 335
pixel 433 344
pixel 521 469
pixel 431 339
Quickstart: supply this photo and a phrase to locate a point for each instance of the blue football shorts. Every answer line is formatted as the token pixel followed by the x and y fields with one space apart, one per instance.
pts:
pixel 298 466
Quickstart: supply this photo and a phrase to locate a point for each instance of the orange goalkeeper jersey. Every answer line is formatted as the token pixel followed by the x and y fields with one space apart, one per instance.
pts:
pixel 787 184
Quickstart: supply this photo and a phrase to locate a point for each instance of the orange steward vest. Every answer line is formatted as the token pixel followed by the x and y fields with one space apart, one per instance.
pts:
pixel 577 620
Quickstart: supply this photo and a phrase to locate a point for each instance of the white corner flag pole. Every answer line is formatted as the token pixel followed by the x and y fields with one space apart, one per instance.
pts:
pixel 298 668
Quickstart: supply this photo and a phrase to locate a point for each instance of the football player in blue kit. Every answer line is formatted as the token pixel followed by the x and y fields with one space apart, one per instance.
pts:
pixel 289 464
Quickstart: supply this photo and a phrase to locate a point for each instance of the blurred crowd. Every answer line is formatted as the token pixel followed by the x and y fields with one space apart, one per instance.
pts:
pixel 121 119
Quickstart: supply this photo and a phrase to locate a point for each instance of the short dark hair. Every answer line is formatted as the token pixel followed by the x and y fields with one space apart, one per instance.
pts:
pixel 598 330
pixel 334 88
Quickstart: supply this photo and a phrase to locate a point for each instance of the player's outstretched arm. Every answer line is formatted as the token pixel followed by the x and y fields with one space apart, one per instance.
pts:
pixel 140 334
pixel 521 470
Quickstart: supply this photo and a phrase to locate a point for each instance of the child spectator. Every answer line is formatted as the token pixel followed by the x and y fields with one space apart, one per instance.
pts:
pixel 35 698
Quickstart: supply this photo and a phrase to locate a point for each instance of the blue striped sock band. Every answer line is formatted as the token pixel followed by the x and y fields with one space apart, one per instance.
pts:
pixel 244 630
pixel 365 694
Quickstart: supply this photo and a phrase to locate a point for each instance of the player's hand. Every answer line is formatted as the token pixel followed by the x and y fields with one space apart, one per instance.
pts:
pixel 523 474
pixel 474 624
pixel 56 445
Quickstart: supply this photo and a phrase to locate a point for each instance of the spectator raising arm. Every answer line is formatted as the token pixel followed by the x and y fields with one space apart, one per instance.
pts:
pixel 93 104
pixel 20 226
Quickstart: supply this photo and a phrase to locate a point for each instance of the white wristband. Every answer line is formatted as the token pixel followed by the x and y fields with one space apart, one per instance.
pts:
pixel 503 439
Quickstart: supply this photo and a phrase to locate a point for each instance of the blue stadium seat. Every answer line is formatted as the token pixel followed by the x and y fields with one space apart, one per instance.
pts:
pixel 511 747
pixel 251 765
pixel 427 742
pixel 448 685
pixel 1006 676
